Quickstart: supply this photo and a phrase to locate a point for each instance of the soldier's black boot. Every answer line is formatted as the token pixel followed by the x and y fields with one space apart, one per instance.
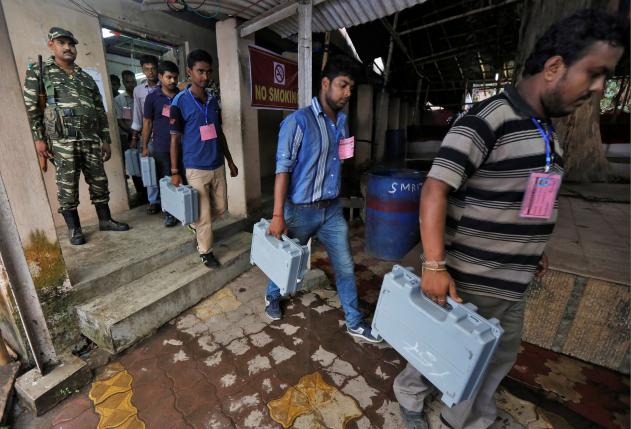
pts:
pixel 74 227
pixel 105 219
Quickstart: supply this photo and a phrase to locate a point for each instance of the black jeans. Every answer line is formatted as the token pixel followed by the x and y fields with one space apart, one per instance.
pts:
pixel 163 166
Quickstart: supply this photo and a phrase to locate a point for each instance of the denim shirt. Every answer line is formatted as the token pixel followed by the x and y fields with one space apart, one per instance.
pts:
pixel 308 149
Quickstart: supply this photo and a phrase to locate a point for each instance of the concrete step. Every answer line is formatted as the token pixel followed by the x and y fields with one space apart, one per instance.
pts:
pixel 113 259
pixel 123 316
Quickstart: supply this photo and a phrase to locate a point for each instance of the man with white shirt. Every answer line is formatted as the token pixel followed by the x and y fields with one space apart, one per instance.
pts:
pixel 149 65
pixel 123 108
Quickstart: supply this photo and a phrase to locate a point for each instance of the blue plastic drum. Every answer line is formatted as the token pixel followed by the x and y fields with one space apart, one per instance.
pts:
pixel 392 211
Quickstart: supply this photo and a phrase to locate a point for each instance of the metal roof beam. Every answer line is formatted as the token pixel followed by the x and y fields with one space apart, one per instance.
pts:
pixel 271 17
pixel 454 51
pixel 462 15
pixel 400 44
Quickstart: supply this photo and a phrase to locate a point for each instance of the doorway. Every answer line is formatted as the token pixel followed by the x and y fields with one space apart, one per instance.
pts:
pixel 123 51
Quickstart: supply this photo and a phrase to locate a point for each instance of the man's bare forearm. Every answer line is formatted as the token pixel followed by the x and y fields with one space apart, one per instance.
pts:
pixel 175 150
pixel 433 216
pixel 224 146
pixel 147 127
pixel 281 184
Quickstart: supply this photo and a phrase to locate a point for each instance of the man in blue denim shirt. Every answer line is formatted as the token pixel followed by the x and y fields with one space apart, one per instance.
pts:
pixel 308 176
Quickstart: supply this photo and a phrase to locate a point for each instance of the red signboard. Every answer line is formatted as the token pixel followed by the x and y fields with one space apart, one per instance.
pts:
pixel 274 80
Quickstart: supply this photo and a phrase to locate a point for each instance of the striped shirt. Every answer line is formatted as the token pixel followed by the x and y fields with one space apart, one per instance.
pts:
pixel 487 158
pixel 308 145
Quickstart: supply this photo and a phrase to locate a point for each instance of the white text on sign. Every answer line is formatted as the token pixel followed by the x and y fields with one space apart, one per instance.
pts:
pixel 404 187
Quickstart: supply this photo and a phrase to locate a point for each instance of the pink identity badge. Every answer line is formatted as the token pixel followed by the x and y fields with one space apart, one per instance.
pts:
pixel 540 195
pixel 166 110
pixel 208 132
pixel 127 113
pixel 347 148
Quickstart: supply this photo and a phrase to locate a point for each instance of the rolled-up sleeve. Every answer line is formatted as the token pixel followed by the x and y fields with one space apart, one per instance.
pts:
pixel 176 121
pixel 289 141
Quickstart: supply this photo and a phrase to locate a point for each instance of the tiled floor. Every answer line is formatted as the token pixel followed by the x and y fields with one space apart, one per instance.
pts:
pixel 223 364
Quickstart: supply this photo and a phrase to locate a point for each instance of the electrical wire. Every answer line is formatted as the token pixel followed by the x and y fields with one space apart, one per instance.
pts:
pixel 206 17
pixel 84 9
pixel 185 7
pixel 196 7
pixel 173 8
pixel 90 7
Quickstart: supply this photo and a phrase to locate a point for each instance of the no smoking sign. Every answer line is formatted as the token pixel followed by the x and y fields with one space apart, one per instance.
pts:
pixel 279 73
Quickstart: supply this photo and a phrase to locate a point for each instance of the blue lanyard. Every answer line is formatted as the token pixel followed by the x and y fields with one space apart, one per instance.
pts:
pixel 546 138
pixel 339 131
pixel 199 105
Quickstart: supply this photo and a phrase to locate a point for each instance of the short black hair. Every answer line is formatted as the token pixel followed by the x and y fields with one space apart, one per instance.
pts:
pixel 128 73
pixel 198 55
pixel 572 36
pixel 148 59
pixel 340 65
pixel 113 78
pixel 167 66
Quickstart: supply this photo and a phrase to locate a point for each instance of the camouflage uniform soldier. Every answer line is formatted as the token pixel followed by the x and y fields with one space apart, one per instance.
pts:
pixel 75 125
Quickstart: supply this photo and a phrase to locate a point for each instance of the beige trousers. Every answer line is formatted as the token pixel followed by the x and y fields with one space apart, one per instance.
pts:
pixel 213 202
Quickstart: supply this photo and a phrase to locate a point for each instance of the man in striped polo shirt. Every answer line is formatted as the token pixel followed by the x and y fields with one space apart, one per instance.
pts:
pixel 489 203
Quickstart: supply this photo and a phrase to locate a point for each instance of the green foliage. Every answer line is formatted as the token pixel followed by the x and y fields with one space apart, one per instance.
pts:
pixel 612 89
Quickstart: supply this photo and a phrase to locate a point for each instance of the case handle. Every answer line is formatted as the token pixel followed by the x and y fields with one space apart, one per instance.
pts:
pixel 451 309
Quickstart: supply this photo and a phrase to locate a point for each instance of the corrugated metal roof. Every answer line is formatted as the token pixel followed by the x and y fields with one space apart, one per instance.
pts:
pixel 328 15
pixel 334 14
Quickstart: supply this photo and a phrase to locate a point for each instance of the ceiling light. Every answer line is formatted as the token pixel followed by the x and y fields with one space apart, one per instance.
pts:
pixel 106 32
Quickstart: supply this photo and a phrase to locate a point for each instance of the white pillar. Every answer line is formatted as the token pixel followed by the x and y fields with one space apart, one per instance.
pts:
pixel 240 120
pixel 363 119
pixel 305 67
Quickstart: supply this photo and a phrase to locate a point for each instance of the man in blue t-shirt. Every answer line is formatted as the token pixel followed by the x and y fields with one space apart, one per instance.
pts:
pixel 155 127
pixel 195 125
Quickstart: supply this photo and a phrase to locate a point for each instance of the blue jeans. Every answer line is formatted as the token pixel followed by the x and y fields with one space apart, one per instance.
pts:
pixel 153 192
pixel 329 226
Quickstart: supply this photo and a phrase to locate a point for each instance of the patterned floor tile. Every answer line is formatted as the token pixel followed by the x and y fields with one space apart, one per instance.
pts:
pixel 318 403
pixel 111 395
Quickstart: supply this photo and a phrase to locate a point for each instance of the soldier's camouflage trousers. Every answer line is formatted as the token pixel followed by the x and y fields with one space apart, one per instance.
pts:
pixel 72 158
